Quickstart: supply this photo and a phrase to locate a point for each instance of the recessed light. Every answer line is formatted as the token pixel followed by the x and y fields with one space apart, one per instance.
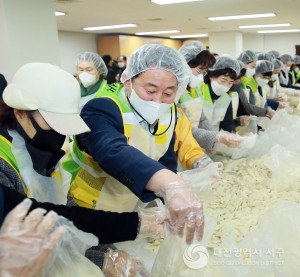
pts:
pixel 60 13
pixel 232 17
pixel 265 26
pixel 157 32
pixel 191 36
pixel 166 2
pixel 108 27
pixel 278 31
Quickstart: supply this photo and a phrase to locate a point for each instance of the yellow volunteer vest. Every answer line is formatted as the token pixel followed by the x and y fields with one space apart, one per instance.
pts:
pixel 91 187
pixel 6 154
pixel 291 73
pixel 85 99
pixel 298 77
pixel 52 189
pixel 191 103
pixel 250 82
pixel 215 111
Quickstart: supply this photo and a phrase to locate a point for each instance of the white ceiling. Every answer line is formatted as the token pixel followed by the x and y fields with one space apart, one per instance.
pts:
pixel 190 18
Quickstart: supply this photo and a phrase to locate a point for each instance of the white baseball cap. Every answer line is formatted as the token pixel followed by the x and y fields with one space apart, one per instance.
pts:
pixel 52 91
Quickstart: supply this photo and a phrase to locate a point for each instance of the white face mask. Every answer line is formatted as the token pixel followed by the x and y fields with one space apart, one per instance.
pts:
pixel 219 89
pixel 87 79
pixel 250 72
pixel 274 77
pixel 261 82
pixel 121 64
pixel 196 80
pixel 149 110
pixel 297 69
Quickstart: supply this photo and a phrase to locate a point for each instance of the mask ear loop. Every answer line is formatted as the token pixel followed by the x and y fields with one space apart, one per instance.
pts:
pixel 34 123
pixel 153 133
pixel 133 107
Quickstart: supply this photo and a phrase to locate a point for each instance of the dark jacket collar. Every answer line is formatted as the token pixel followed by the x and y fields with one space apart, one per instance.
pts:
pixel 44 162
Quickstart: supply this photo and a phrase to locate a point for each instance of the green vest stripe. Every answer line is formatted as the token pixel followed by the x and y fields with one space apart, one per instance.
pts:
pixel 250 82
pixel 6 153
pixel 206 93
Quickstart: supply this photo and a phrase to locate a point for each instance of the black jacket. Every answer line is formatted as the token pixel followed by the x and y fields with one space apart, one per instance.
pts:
pixel 109 227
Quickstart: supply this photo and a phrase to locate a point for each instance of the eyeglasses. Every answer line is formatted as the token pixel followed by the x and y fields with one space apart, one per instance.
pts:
pixel 266 78
pixel 200 70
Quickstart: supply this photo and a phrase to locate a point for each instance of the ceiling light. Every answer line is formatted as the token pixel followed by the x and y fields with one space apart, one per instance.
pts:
pixel 60 13
pixel 265 26
pixel 109 27
pixel 191 36
pixel 158 32
pixel 279 31
pixel 165 2
pixel 231 17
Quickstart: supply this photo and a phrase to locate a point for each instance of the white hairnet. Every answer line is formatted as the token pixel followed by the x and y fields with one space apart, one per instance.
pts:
pixel 247 56
pixel 264 56
pixel 155 56
pixel 263 66
pixel 296 59
pixel 94 59
pixel 285 58
pixel 241 64
pixel 191 49
pixel 277 64
pixel 226 62
pixel 274 54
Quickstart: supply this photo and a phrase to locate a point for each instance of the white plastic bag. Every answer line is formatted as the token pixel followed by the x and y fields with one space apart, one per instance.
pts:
pixel 283 163
pixel 174 255
pixel 200 179
pixel 277 239
pixel 69 258
pixel 251 128
pixel 245 148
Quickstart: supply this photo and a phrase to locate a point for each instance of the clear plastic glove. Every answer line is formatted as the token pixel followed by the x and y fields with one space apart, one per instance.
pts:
pixel 278 98
pixel 283 105
pixel 27 242
pixel 202 162
pixel 270 112
pixel 205 161
pixel 152 222
pixel 229 139
pixel 185 209
pixel 118 263
pixel 244 120
pixel 296 93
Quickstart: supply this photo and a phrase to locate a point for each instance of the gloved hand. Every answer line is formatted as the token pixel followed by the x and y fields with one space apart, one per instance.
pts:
pixel 296 93
pixel 185 209
pixel 278 98
pixel 205 161
pixel 26 244
pixel 202 162
pixel 118 263
pixel 152 222
pixel 244 120
pixel 270 112
pixel 283 105
pixel 229 139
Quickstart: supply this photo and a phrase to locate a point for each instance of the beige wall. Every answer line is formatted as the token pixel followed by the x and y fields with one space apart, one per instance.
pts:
pixel 109 45
pixel 72 44
pixel 126 45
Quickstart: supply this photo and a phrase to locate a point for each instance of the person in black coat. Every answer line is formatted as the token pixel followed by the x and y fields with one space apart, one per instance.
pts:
pixel 112 73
